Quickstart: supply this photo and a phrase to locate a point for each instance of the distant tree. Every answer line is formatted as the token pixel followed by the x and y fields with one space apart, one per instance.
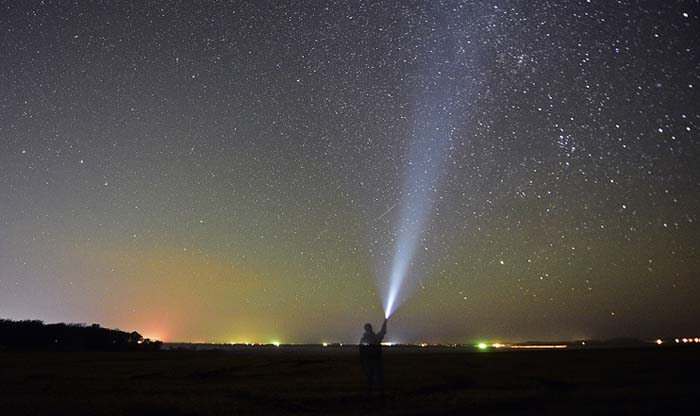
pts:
pixel 135 338
pixel 35 335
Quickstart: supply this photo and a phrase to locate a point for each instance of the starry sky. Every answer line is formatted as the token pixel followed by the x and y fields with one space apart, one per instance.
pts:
pixel 238 171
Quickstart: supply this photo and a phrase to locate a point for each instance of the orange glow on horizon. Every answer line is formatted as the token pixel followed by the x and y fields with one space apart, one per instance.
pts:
pixel 553 346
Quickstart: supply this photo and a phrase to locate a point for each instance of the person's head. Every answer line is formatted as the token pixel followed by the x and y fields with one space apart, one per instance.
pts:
pixel 368 328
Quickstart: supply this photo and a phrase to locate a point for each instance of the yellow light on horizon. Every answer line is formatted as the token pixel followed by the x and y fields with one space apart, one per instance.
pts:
pixel 659 341
pixel 325 344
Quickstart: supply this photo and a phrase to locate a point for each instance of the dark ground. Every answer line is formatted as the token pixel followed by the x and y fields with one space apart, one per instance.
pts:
pixel 329 381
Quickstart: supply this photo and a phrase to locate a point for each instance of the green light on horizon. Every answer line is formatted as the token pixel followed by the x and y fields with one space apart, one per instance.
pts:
pixel 482 345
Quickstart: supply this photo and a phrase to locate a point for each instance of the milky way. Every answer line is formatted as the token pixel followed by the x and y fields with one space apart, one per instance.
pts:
pixel 240 171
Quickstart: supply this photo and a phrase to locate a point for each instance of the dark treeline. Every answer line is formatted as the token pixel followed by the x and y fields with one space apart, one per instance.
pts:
pixel 35 335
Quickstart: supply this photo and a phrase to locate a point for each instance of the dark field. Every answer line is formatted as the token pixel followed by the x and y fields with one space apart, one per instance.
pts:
pixel 329 381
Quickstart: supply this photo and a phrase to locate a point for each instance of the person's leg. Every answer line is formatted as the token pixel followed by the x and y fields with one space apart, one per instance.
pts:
pixel 379 382
pixel 374 377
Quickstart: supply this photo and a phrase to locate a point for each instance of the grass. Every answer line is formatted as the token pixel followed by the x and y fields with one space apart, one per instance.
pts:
pixel 330 381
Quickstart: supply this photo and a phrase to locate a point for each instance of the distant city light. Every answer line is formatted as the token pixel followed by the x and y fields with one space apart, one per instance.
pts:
pixel 545 346
pixel 325 344
pixel 388 344
pixel 659 341
pixel 423 344
pixel 276 343
pixel 498 345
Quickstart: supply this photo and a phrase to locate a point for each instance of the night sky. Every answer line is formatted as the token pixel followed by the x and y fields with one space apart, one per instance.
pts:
pixel 244 171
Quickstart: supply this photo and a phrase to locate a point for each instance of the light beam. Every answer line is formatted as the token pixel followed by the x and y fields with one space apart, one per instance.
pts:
pixel 437 111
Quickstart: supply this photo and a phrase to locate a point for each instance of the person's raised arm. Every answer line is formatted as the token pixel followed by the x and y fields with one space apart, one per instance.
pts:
pixel 381 333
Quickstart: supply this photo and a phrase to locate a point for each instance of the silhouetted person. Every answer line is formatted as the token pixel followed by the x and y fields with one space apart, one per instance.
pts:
pixel 371 356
